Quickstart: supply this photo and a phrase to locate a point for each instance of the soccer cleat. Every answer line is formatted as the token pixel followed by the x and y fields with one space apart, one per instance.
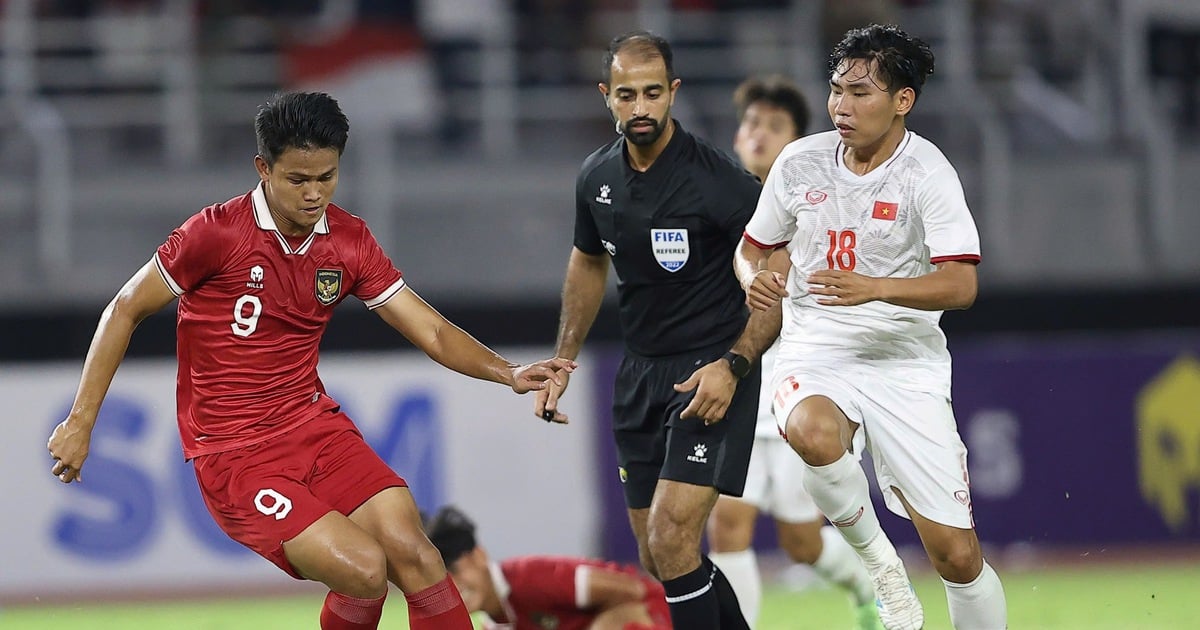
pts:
pixel 866 617
pixel 899 608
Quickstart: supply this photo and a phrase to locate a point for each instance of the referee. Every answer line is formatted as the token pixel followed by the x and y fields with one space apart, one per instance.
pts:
pixel 668 209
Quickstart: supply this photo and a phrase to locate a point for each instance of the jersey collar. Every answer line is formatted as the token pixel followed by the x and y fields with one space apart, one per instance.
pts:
pixel 264 221
pixel 503 590
pixel 839 159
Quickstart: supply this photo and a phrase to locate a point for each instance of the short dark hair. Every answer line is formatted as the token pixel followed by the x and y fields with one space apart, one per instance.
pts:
pixel 300 120
pixel 452 532
pixel 643 43
pixel 901 59
pixel 776 90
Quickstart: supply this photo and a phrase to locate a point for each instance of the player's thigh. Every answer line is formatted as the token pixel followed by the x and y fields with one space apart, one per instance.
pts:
pixel 259 495
pixel 815 406
pixel 915 446
pixel 392 518
pixel 337 552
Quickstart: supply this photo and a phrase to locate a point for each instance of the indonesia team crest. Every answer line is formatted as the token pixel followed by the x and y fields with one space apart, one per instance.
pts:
pixel 329 285
pixel 670 247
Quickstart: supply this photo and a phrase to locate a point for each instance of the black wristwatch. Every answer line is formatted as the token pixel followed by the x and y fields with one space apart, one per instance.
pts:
pixel 738 364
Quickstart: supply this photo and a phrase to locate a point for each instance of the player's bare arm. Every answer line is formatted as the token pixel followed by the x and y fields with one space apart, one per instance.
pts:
pixel 582 293
pixel 452 347
pixel 607 589
pixel 951 286
pixel 764 286
pixel 144 294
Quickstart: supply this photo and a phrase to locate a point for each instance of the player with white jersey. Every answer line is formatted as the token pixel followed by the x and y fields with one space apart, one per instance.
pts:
pixel 881 243
pixel 773 112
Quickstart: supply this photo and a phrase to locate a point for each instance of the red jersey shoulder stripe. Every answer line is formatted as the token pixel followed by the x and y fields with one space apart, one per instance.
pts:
pixel 752 241
pixel 968 258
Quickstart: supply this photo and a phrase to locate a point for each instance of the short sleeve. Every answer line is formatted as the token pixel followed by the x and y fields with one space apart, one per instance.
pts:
pixel 190 254
pixel 587 235
pixel 542 582
pixel 376 280
pixel 950 232
pixel 772 225
pixel 741 193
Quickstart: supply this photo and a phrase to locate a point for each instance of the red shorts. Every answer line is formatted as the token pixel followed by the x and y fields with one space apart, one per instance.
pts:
pixel 267 493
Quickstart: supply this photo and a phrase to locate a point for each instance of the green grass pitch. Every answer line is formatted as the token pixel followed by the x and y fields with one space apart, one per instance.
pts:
pixel 1118 597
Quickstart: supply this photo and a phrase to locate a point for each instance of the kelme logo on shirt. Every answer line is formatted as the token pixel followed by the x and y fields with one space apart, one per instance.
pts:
pixel 670 247
pixel 604 198
pixel 329 285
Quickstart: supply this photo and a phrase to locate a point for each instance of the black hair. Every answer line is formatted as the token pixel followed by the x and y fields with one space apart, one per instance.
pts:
pixel 452 532
pixel 901 60
pixel 775 90
pixel 643 43
pixel 300 120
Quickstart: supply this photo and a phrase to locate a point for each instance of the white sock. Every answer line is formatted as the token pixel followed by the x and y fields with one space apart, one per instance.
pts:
pixel 840 490
pixel 839 564
pixel 978 604
pixel 741 569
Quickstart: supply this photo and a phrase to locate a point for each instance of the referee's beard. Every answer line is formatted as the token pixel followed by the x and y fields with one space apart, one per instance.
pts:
pixel 641 138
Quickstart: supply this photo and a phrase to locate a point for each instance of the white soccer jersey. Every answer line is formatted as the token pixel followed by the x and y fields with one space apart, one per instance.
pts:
pixel 899 220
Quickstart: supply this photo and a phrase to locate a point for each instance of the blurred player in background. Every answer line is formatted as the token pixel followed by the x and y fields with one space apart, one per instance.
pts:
pixel 539 592
pixel 881 242
pixel 772 112
pixel 282 470
pixel 667 209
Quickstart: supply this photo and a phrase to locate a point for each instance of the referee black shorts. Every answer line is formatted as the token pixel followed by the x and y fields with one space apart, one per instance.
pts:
pixel 654 443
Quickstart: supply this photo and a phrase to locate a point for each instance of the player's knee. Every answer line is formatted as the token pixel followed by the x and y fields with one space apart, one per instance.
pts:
pixel 647 560
pixel 815 437
pixel 729 533
pixel 669 538
pixel 365 573
pixel 959 562
pixel 801 547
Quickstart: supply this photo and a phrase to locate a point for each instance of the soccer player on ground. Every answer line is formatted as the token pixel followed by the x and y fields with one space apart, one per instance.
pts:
pixel 772 112
pixel 668 209
pixel 881 242
pixel 537 592
pixel 281 469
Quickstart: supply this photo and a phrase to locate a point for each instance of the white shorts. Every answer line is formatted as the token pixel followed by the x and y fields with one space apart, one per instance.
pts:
pixel 911 434
pixel 774 482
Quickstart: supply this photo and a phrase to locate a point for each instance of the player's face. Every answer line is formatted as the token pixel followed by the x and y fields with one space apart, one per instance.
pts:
pixel 764 131
pixel 640 97
pixel 299 186
pixel 473 579
pixel 860 106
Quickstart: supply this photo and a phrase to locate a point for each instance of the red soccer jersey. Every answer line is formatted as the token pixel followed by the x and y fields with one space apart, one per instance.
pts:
pixel 540 592
pixel 252 310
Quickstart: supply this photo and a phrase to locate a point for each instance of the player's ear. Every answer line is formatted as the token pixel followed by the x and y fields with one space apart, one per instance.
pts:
pixel 260 165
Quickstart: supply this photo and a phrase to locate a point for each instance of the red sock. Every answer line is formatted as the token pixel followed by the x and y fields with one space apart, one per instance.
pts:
pixel 438 607
pixel 342 612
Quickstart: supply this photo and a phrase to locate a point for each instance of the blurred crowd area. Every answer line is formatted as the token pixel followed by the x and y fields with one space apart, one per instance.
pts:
pixel 1072 124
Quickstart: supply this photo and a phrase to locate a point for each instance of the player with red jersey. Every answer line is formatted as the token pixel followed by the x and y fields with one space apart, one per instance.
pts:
pixel 281 469
pixel 539 592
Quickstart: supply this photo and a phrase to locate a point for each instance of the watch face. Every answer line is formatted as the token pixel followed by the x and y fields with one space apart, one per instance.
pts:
pixel 738 364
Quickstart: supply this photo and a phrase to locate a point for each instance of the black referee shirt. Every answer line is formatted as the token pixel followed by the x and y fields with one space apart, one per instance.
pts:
pixel 671 233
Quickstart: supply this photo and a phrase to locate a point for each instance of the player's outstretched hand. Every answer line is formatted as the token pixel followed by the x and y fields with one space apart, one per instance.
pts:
pixel 714 385
pixel 765 289
pixel 541 374
pixel 545 401
pixel 842 288
pixel 69 445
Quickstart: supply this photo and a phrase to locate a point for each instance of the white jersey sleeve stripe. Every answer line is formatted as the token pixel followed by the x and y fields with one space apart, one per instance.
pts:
pixel 582 574
pixel 750 239
pixel 162 271
pixel 386 295
pixel 971 258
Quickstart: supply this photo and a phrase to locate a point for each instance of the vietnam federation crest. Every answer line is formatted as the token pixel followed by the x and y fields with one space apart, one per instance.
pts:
pixel 329 285
pixel 670 247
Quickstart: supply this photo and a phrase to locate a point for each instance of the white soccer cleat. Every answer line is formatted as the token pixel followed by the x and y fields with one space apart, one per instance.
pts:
pixel 899 608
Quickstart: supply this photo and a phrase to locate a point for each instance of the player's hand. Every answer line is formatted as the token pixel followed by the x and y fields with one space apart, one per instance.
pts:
pixel 545 401
pixel 764 289
pixel 68 445
pixel 714 385
pixel 538 376
pixel 843 288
